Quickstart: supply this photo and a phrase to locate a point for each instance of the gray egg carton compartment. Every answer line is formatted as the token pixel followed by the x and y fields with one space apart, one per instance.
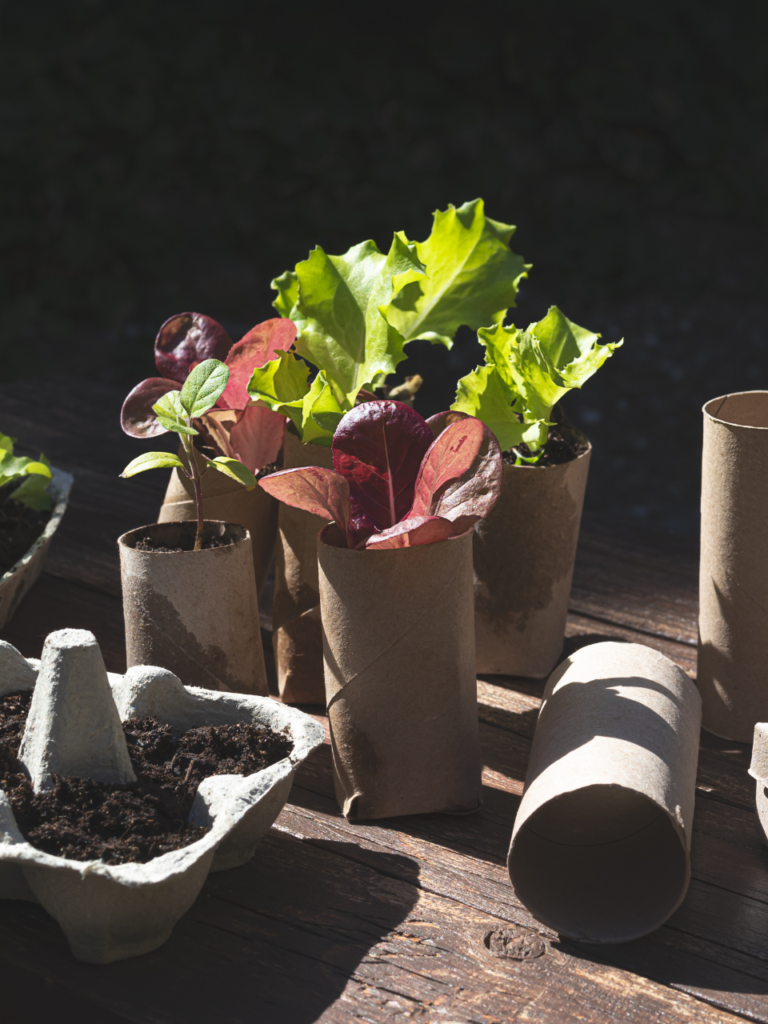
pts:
pixel 110 912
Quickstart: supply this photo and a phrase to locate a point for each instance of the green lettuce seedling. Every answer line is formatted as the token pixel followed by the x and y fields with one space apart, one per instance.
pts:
pixel 526 373
pixel 355 313
pixel 176 411
pixel 30 476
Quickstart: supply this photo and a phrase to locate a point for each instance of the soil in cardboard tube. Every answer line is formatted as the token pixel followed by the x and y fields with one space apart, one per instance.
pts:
pixel 86 820
pixel 145 544
pixel 564 443
pixel 19 529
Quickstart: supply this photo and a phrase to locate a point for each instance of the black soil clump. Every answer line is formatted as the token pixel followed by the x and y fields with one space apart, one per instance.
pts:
pixel 19 529
pixel 86 820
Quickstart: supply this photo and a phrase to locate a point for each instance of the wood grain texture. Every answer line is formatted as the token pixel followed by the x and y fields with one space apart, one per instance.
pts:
pixel 340 921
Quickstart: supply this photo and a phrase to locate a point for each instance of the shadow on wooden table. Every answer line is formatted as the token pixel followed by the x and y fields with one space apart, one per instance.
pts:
pixel 275 941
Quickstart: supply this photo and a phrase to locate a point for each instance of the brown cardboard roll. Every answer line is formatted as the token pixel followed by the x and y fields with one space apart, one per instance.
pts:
pixel 296 630
pixel 399 650
pixel 733 571
pixel 523 554
pixel 227 501
pixel 600 849
pixel 194 612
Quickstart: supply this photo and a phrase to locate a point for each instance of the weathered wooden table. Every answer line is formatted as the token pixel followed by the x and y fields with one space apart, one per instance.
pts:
pixel 391 920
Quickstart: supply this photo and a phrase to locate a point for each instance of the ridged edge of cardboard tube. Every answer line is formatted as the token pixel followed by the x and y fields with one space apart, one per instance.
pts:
pixel 600 849
pixel 733 569
pixel 399 651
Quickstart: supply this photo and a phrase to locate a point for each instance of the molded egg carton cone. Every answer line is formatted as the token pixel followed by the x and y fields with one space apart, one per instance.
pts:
pixel 15 583
pixel 110 912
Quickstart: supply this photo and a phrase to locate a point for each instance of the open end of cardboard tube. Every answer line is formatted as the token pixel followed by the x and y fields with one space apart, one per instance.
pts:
pixel 743 409
pixel 613 861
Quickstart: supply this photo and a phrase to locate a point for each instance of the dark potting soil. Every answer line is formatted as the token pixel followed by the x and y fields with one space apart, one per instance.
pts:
pixel 271 467
pixel 564 443
pixel 145 544
pixel 19 529
pixel 87 820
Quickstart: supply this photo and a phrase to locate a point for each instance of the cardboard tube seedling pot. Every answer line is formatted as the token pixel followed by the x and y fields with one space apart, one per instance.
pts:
pixel 733 571
pixel 600 849
pixel 15 583
pixel 297 634
pixel 194 612
pixel 109 912
pixel 227 501
pixel 398 639
pixel 523 556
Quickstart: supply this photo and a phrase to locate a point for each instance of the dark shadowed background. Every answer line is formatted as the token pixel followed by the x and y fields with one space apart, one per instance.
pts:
pixel 168 156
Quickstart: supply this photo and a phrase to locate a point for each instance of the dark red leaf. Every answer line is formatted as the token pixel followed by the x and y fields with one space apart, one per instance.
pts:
pixel 258 347
pixel 449 457
pixel 470 498
pixel 137 417
pixel 378 448
pixel 186 339
pixel 412 532
pixel 312 488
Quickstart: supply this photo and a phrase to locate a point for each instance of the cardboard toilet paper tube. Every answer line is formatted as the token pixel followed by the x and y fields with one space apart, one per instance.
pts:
pixel 523 554
pixel 733 571
pixel 227 501
pixel 194 612
pixel 398 640
pixel 296 631
pixel 758 769
pixel 601 845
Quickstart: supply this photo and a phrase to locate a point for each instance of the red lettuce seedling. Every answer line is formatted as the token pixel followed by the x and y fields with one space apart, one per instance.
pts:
pixel 394 484
pixel 178 411
pixel 236 427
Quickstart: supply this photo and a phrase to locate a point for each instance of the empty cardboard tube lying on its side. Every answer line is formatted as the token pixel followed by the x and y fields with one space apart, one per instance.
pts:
pixel 227 501
pixel 600 849
pixel 733 571
pixel 297 634
pixel 400 681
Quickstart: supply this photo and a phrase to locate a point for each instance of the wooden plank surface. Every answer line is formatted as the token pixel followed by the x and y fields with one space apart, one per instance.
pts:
pixel 341 921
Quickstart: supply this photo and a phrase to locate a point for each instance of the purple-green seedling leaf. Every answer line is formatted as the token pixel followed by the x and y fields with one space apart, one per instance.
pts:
pixel 412 532
pixel 187 339
pixel 235 470
pixel 172 415
pixel 314 489
pixel 472 496
pixel 449 457
pixel 378 448
pixel 203 387
pixel 138 417
pixel 152 460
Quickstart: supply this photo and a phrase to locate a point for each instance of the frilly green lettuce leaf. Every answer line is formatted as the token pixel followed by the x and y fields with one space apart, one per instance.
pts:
pixel 336 303
pixel 282 385
pixel 570 353
pixel 484 394
pixel 287 288
pixel 472 277
pixel 533 369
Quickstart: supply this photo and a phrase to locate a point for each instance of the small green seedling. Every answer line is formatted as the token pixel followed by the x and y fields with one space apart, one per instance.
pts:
pixel 177 411
pixel 30 477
